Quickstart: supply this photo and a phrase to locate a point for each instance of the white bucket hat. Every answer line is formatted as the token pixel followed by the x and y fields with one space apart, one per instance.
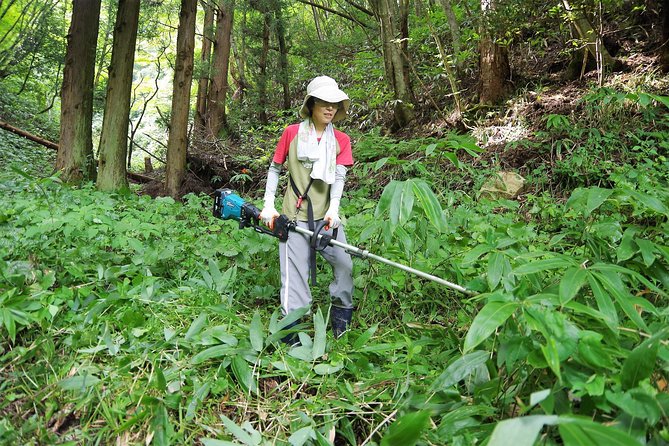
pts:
pixel 326 89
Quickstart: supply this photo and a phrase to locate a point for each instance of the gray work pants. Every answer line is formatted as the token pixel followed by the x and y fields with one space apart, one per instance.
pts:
pixel 294 259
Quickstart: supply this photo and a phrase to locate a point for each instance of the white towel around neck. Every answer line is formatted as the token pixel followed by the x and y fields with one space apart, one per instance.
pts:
pixel 321 155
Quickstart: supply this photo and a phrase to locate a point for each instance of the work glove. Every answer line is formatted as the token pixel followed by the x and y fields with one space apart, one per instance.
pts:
pixel 332 217
pixel 268 215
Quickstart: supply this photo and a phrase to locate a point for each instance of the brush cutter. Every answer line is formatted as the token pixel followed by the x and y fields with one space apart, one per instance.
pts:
pixel 228 205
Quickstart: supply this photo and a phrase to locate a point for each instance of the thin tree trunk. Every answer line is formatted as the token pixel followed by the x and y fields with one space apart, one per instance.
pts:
pixel 105 48
pixel 395 57
pixel 664 47
pixel 445 60
pixel 317 23
pixel 454 28
pixel 205 72
pixel 75 158
pixel 219 84
pixel 262 78
pixel 494 62
pixel 284 75
pixel 177 143
pixel 114 134
pixel 591 37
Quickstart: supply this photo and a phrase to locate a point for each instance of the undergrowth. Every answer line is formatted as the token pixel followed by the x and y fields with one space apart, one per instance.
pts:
pixel 130 320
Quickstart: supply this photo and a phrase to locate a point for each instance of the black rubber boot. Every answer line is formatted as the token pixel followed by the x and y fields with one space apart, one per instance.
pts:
pixel 340 319
pixel 291 339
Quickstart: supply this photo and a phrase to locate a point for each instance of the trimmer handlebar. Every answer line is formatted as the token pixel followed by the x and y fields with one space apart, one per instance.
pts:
pixel 228 205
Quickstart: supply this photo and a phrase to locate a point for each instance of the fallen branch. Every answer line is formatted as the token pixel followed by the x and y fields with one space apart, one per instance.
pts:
pixel 52 145
pixel 30 136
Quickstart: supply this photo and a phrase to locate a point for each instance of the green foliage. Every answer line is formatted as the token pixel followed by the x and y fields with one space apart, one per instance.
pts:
pixel 151 316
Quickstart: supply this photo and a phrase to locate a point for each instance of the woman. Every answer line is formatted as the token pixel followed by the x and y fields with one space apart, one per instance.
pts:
pixel 317 157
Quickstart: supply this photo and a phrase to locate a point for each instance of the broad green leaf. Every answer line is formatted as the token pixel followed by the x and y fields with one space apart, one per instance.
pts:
pixel 401 204
pixel 617 269
pixel 328 369
pixel 649 201
pixel 627 248
pixel 216 335
pixel 366 336
pixel 460 369
pixel 276 326
pixel 552 356
pixel 474 254
pixel 386 198
pixel 256 334
pixel 577 199
pixel 572 281
pixel 430 205
pixel 161 426
pixel 663 99
pixel 491 316
pixel 615 287
pixel 539 266
pixel 78 382
pixel 592 352
pixel 647 249
pixel 583 432
pixel 498 266
pixel 596 197
pixel 320 335
pixel 575 431
pixel 407 429
pixel 244 374
pixel 249 439
pixel 640 363
pixel 212 352
pixel 196 327
pixel 453 158
pixel 380 163
pixel 522 431
pixel 637 404
pixel 539 396
pixel 604 303
pixel 201 392
pixel 301 436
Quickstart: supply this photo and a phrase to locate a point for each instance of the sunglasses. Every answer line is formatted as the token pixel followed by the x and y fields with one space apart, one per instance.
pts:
pixel 325 104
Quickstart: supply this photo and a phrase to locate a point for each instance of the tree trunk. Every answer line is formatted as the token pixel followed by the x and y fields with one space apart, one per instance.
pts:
pixel 284 75
pixel 454 28
pixel 205 72
pixel 219 84
pixel 494 63
pixel 262 77
pixel 177 143
pixel 114 134
pixel 592 39
pixel 664 48
pixel 394 38
pixel 445 60
pixel 75 157
pixel 317 23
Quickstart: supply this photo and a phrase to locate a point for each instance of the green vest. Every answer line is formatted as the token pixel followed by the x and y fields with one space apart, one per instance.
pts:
pixel 319 192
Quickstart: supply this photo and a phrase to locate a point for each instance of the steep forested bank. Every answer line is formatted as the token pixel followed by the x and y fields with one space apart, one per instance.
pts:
pixel 129 317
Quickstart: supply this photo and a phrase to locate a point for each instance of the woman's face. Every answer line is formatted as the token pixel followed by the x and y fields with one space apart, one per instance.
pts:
pixel 323 112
